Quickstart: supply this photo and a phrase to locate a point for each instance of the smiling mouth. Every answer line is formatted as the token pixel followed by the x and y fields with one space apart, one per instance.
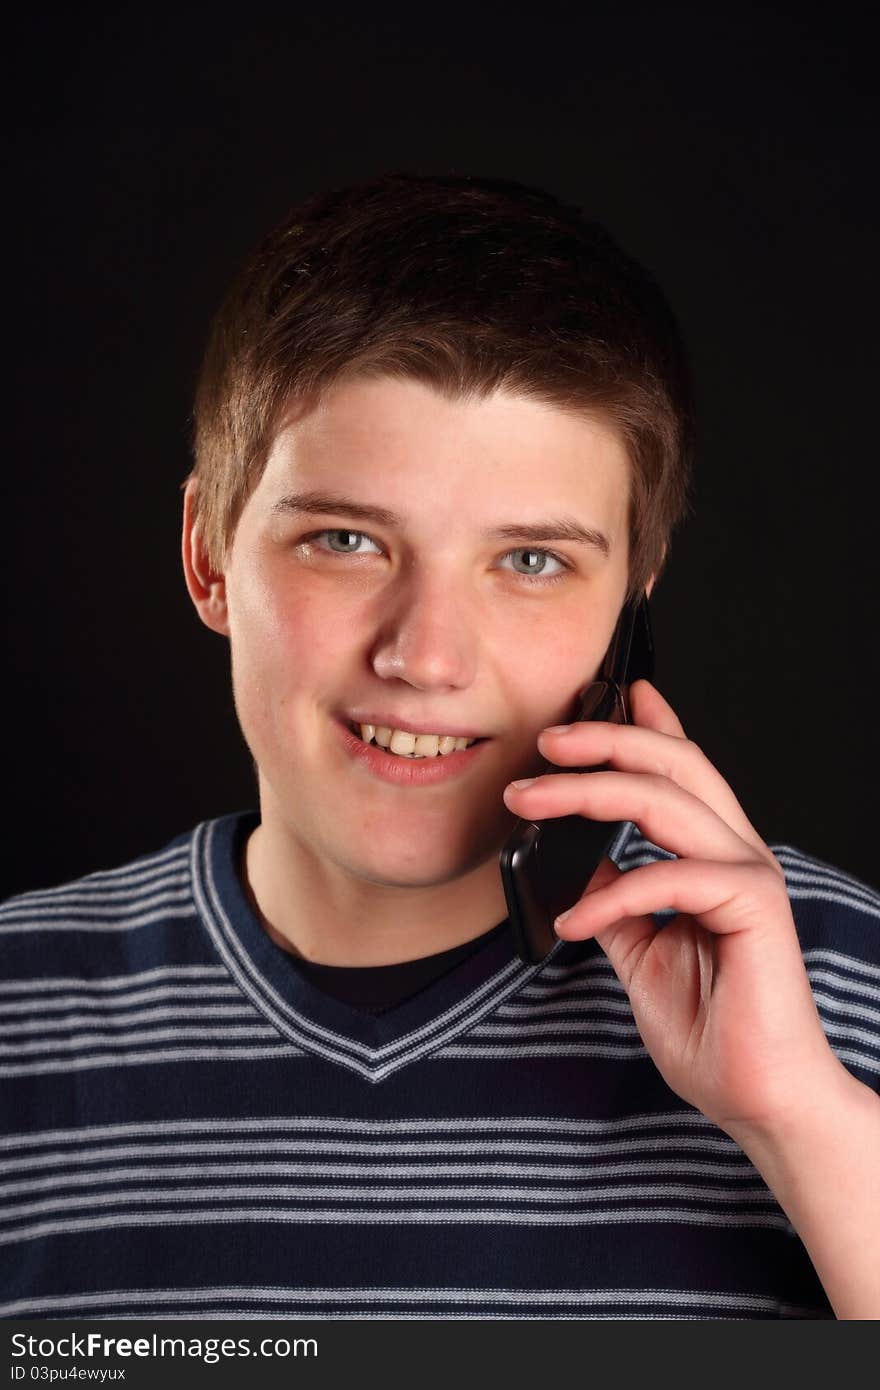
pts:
pixel 413 746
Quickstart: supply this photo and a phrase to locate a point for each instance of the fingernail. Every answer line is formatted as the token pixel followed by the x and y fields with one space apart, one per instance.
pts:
pixel 563 916
pixel 557 729
pixel 526 782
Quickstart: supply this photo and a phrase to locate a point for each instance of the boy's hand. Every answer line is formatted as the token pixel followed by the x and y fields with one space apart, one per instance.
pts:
pixel 720 994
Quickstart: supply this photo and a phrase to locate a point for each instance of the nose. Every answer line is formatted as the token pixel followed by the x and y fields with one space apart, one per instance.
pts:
pixel 427 635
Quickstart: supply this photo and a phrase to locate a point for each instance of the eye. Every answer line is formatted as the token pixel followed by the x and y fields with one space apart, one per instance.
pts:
pixel 339 540
pixel 350 540
pixel 535 564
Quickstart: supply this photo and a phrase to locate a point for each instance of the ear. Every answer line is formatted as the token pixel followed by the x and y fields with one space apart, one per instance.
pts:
pixel 207 588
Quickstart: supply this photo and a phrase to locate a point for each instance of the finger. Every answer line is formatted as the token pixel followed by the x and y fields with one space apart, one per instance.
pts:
pixel 665 813
pixel 649 709
pixel 638 749
pixel 726 898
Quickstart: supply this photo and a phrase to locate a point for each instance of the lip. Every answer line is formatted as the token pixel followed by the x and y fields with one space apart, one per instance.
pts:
pixel 392 721
pixel 406 772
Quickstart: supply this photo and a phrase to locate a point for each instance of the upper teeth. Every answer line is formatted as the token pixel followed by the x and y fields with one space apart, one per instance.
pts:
pixel 414 745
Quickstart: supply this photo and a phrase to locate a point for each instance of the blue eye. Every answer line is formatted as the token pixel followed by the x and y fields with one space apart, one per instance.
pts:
pixel 533 571
pixel 342 531
pixel 541 556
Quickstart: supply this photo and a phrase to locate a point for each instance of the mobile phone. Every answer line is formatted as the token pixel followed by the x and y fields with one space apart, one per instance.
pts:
pixel 546 865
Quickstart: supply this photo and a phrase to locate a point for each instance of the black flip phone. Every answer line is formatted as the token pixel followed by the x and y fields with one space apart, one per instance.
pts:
pixel 546 865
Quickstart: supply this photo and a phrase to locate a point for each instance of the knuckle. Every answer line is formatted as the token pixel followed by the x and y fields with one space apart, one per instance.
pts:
pixel 769 882
pixel 663 767
pixel 752 883
pixel 693 752
pixel 656 780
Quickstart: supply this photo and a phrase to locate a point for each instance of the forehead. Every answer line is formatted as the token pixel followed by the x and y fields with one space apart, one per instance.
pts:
pixel 406 443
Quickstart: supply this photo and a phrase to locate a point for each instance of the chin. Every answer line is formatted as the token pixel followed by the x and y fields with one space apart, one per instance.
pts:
pixel 411 867
pixel 406 874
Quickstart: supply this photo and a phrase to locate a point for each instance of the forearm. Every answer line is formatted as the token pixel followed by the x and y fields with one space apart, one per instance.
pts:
pixel 823 1167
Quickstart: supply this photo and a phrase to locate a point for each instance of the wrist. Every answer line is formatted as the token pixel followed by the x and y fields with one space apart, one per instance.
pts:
pixel 821 1114
pixel 820 1161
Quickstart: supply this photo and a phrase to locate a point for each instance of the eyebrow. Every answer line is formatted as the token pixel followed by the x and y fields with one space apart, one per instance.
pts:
pixel 563 528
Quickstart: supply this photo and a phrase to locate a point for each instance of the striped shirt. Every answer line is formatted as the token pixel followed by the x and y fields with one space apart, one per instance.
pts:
pixel 190 1128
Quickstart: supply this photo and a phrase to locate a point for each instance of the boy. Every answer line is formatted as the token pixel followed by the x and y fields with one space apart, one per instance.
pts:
pixel 290 1065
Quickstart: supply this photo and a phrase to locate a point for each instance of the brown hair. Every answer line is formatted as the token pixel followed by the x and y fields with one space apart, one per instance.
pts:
pixel 468 285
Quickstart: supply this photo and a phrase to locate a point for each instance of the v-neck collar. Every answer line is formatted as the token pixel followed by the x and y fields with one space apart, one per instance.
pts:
pixel 373 1046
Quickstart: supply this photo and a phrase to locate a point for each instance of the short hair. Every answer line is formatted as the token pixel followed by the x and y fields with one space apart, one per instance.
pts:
pixel 468 285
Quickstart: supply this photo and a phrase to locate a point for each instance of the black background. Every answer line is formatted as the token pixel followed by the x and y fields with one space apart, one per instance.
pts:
pixel 732 149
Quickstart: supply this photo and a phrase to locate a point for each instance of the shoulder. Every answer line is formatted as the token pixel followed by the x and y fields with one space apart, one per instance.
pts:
pixel 94 923
pixel 837 917
pixel 838 923
pixel 824 893
pixel 137 880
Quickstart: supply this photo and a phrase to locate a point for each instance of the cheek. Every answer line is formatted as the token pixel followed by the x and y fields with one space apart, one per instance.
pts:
pixel 281 641
pixel 567 648
pixel 553 663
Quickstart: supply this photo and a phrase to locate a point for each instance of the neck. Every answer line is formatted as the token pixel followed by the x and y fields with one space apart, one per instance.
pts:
pixel 321 911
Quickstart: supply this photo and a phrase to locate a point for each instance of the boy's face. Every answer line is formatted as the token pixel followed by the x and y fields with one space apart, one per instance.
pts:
pixel 429 620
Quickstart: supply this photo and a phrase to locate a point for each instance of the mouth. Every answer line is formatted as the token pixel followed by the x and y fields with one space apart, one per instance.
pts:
pixel 410 761
pixel 401 743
